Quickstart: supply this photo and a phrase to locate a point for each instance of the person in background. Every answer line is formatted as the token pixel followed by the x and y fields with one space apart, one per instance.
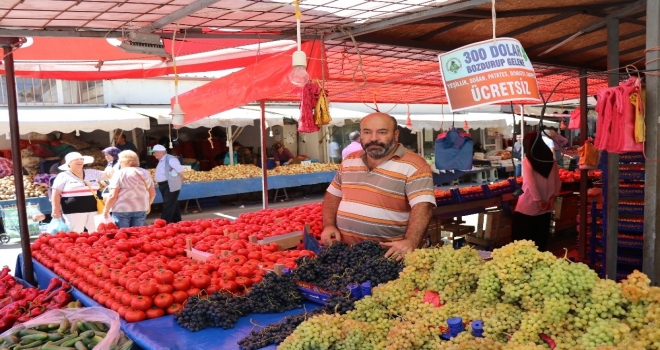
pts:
pixel 354 146
pixel 122 144
pixel 333 152
pixel 112 156
pixel 248 157
pixel 384 193
pixel 169 176
pixel 516 153
pixel 531 219
pixel 478 148
pixel 55 168
pixel 74 192
pixel 281 154
pixel 237 153
pixel 131 192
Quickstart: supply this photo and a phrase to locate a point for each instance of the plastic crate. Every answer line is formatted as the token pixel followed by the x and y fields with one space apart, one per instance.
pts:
pixel 485 193
pixel 630 191
pixel 632 174
pixel 623 259
pixel 313 293
pixel 624 158
pixel 624 225
pixel 446 200
pixel 510 188
pixel 624 209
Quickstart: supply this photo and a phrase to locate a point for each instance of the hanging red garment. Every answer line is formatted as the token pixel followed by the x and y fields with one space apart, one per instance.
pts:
pixel 574 124
pixel 604 124
pixel 615 129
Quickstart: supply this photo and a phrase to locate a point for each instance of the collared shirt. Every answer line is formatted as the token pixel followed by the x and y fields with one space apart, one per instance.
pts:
pixel 377 203
pixel 353 147
pixel 133 183
pixel 537 188
pixel 161 169
pixel 127 146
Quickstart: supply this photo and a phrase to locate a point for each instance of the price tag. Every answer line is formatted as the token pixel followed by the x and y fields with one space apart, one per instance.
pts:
pixel 306 162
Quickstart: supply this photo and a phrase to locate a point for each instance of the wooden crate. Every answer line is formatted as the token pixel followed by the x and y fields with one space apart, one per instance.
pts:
pixel 287 241
pixel 498 238
pixel 435 228
pixel 490 222
pixel 195 254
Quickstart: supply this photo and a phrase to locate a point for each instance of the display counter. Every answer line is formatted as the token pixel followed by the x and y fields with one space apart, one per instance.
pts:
pixel 164 333
pixel 195 190
pixel 44 203
pixel 473 207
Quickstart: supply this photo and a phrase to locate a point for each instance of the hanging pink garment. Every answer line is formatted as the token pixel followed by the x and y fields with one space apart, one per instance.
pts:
pixel 574 123
pixel 625 126
pixel 604 124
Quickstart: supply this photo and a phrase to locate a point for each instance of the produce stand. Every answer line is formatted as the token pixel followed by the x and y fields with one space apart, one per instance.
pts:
pixel 195 190
pixel 164 333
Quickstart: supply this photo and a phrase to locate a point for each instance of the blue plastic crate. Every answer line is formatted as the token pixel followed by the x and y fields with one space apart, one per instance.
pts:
pixel 485 193
pixel 447 200
pixel 502 190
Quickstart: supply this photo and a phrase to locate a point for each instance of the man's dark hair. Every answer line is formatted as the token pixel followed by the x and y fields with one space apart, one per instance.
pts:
pixel 123 137
pixel 353 136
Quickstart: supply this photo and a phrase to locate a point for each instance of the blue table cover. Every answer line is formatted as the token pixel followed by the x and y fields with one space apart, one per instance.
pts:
pixel 44 203
pixel 194 190
pixel 163 333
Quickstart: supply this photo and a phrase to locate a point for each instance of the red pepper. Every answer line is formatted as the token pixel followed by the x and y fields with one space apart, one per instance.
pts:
pixel 4 272
pixel 17 293
pixel 8 320
pixel 59 300
pixel 4 302
pixel 54 283
pixel 36 311
pixel 31 293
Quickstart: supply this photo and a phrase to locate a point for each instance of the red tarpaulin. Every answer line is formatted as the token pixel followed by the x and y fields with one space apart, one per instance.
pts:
pixel 262 80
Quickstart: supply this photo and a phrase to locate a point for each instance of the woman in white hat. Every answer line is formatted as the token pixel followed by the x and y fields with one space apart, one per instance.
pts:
pixel 74 192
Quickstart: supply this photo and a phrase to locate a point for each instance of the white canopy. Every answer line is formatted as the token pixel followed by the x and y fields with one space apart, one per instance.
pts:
pixel 242 116
pixel 44 120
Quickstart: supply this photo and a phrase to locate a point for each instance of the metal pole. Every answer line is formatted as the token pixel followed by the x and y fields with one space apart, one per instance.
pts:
pixel 651 209
pixel 582 234
pixel 264 157
pixel 230 141
pixel 6 43
pixel 612 198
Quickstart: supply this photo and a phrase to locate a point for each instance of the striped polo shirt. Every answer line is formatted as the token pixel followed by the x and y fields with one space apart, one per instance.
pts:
pixel 377 203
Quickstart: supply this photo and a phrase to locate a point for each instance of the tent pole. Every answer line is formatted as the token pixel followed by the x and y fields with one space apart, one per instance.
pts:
pixel 611 177
pixel 264 157
pixel 6 43
pixel 582 235
pixel 230 141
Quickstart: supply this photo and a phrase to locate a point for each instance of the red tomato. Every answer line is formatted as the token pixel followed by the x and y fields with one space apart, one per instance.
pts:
pixel 176 307
pixel 133 315
pixel 200 281
pixel 254 255
pixel 237 260
pixel 164 288
pixel 229 286
pixel 256 279
pixel 142 303
pixel 245 271
pixel 155 312
pixel 160 222
pixel 179 296
pixel 228 274
pixel 163 300
pixel 164 276
pixel 243 282
pixel 193 291
pixel 181 283
pixel 147 289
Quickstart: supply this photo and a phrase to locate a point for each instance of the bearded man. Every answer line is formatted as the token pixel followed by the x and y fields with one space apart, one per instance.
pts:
pixel 382 193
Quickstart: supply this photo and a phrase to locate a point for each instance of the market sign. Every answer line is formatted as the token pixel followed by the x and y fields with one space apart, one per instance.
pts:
pixel 488 72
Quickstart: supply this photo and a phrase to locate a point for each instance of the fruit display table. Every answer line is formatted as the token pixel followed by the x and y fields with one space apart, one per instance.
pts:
pixel 195 190
pixel 164 333
pixel 472 207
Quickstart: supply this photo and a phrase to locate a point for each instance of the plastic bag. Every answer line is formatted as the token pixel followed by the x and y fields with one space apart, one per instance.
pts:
pixel 101 219
pixel 99 314
pixel 57 225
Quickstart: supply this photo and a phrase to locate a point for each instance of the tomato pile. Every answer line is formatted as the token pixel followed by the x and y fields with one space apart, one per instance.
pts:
pixel 143 272
pixel 439 193
pixel 20 304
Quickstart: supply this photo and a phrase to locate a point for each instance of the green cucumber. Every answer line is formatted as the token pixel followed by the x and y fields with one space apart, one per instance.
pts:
pixel 35 336
pixel 33 344
pixel 29 331
pixel 68 337
pixel 65 325
pixel 55 347
pixel 101 326
pixel 126 345
pixel 80 346
pixel 55 336
pixel 11 339
pixel 87 334
pixel 71 342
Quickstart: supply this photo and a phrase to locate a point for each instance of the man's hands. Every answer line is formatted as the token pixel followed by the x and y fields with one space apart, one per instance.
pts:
pixel 398 249
pixel 328 233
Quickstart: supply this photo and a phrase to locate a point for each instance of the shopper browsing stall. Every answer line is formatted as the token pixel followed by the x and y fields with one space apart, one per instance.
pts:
pixel 540 187
pixel 354 146
pixel 384 193
pixel 74 192
pixel 169 176
pixel 131 192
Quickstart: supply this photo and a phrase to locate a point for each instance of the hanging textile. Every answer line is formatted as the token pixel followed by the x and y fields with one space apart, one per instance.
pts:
pixel 616 126
pixel 574 123
pixel 322 109
pixel 638 99
pixel 453 151
pixel 310 96
pixel 588 156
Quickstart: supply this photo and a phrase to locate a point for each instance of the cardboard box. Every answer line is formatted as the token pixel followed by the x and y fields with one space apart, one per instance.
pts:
pixel 435 230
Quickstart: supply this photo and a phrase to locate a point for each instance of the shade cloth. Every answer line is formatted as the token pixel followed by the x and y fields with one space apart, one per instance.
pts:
pixel 69 119
pixel 233 117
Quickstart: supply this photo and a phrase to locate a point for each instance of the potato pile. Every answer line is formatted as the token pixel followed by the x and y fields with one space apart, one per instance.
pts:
pixel 248 171
pixel 7 190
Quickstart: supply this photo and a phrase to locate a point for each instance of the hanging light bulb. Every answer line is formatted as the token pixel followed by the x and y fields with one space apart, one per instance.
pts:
pixel 299 75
